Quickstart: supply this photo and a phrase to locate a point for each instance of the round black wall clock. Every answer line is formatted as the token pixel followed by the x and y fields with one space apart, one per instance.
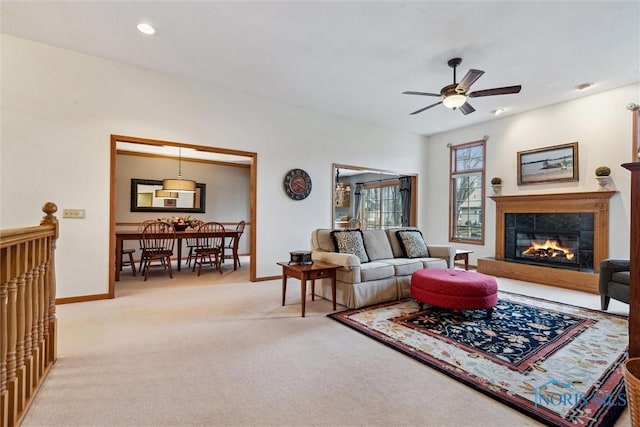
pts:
pixel 297 184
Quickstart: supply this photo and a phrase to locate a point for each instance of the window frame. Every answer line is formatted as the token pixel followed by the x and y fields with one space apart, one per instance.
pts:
pixel 379 185
pixel 453 174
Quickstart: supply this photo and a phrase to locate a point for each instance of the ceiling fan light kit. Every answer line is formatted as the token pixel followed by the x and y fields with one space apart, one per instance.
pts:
pixel 454 101
pixel 454 96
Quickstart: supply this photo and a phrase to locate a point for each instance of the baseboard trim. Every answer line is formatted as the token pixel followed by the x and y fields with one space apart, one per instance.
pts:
pixel 83 298
pixel 266 278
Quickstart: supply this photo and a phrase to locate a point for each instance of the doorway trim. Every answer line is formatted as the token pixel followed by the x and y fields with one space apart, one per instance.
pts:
pixel 253 184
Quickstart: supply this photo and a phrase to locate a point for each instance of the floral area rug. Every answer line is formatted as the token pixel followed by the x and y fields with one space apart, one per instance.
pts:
pixel 557 363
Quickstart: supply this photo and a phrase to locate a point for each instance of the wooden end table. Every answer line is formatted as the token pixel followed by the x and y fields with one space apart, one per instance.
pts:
pixel 463 254
pixel 304 272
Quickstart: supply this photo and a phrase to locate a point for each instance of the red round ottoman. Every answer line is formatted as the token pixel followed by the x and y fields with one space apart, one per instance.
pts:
pixel 455 289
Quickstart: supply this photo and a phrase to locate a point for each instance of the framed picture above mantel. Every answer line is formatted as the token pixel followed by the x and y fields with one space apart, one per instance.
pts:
pixel 557 163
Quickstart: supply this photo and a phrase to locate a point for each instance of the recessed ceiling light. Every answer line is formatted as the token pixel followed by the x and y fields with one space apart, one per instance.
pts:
pixel 584 86
pixel 146 28
pixel 497 111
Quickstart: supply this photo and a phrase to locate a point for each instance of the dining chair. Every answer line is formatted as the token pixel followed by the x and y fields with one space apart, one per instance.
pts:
pixel 130 261
pixel 141 227
pixel 232 244
pixel 158 239
pixel 208 250
pixel 192 242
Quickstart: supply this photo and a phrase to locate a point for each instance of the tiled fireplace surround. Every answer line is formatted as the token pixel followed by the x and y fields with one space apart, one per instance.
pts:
pixel 568 232
pixel 587 211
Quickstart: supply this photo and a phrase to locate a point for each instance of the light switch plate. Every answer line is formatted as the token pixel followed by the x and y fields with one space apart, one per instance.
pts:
pixel 73 213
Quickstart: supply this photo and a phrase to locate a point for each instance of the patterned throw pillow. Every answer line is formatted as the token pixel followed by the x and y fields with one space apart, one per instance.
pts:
pixel 350 242
pixel 412 243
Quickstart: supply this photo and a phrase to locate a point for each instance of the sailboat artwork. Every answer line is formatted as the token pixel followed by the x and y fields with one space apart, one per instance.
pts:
pixel 549 164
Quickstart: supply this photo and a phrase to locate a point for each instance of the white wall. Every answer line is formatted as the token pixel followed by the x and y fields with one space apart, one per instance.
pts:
pixel 59 109
pixel 599 123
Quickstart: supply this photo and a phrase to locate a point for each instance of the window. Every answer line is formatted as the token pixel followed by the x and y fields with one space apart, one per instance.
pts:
pixel 466 193
pixel 381 205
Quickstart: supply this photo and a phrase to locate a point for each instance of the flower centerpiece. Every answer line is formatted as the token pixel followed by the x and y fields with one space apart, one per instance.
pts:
pixel 180 223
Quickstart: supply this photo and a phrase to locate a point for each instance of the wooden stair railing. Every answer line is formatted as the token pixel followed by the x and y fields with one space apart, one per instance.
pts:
pixel 28 325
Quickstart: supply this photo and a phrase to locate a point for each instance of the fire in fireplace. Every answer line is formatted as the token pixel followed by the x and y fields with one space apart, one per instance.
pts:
pixel 553 239
pixel 548 249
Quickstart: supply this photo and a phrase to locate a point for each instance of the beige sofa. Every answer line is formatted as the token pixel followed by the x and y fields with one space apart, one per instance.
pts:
pixel 387 275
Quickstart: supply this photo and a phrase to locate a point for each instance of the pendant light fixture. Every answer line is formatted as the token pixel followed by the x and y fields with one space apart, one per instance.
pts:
pixel 179 185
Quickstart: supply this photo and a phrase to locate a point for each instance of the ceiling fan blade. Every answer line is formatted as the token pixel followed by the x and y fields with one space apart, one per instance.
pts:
pixel 469 78
pixel 425 108
pixel 410 92
pixel 497 91
pixel 466 108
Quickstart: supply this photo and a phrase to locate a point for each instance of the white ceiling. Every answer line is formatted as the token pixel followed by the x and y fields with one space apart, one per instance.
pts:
pixel 354 59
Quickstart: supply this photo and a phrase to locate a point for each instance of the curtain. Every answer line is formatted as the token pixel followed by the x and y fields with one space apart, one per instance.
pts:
pixel 405 199
pixel 357 199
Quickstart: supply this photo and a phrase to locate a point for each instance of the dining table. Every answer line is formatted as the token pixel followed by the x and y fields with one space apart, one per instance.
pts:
pixel 122 235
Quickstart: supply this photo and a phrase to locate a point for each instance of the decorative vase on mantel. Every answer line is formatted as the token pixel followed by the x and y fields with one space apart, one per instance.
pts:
pixel 180 227
pixel 602 175
pixel 496 184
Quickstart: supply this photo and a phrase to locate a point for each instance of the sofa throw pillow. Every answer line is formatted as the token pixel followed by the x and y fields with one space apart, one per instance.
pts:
pixel 377 245
pixel 412 243
pixel 350 242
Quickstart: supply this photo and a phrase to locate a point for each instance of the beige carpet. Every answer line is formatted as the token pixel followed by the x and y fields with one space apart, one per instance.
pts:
pixel 219 350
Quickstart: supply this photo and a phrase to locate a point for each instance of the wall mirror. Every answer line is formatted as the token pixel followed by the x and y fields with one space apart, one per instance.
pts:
pixel 146 198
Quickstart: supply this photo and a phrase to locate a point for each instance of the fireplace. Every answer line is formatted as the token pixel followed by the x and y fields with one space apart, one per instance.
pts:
pixel 579 220
pixel 559 240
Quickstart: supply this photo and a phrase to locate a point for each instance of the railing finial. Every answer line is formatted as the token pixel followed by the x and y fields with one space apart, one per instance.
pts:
pixel 50 208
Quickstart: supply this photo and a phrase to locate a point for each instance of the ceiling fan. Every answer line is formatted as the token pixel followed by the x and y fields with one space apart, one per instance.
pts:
pixel 454 96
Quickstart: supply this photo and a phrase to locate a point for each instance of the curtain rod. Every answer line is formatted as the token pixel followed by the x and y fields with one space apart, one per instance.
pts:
pixel 380 180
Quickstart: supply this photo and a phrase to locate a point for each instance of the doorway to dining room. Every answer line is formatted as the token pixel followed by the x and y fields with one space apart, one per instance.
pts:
pixel 157 160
